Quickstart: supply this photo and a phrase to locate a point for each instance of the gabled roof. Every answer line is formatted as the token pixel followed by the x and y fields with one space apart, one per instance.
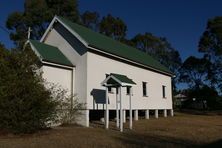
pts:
pixel 50 53
pixel 109 45
pixel 114 79
pixel 123 78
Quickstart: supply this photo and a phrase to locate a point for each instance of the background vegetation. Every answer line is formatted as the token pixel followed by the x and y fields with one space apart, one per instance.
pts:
pixel 26 105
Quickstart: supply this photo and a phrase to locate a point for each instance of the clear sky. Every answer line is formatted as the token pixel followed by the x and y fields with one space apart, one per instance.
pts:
pixel 181 21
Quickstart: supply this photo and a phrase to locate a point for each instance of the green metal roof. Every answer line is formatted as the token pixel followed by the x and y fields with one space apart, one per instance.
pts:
pixel 50 53
pixel 123 78
pixel 112 46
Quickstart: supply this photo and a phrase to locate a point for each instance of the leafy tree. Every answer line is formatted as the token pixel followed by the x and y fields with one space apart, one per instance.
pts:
pixel 113 27
pixel 67 8
pixel 25 104
pixel 205 93
pixel 3 56
pixel 127 42
pixel 211 40
pixel 194 71
pixel 160 49
pixel 37 15
pixel 90 20
pixel 147 43
pixel 211 45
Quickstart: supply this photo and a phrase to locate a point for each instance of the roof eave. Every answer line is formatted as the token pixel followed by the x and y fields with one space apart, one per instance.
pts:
pixel 69 65
pixel 57 64
pixel 122 58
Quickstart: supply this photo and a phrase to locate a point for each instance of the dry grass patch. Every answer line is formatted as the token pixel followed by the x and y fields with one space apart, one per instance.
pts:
pixel 183 130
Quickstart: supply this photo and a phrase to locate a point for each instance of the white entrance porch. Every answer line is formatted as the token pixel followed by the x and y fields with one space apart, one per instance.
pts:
pixel 118 81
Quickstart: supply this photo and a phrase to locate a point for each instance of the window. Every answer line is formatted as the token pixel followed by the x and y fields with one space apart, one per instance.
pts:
pixel 128 90
pixel 144 89
pixel 164 91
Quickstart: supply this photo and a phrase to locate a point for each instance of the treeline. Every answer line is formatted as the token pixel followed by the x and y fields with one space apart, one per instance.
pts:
pixel 38 14
pixel 195 72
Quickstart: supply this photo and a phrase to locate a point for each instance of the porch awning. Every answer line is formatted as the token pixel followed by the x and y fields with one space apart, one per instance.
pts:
pixel 114 79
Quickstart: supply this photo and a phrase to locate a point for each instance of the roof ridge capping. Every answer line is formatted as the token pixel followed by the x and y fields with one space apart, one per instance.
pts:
pixel 99 41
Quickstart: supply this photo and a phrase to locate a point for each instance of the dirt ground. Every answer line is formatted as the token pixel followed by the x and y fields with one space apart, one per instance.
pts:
pixel 182 130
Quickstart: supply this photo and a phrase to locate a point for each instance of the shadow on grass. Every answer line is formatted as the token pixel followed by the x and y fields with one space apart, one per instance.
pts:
pixel 216 144
pixel 200 112
pixel 99 124
pixel 140 140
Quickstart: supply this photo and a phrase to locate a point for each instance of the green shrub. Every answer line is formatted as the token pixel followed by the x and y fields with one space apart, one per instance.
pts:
pixel 69 109
pixel 25 104
pixel 205 93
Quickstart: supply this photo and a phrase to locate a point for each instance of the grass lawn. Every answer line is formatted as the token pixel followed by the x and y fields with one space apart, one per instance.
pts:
pixel 182 130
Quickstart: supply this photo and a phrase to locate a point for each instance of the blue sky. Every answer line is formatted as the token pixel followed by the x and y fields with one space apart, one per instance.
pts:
pixel 181 21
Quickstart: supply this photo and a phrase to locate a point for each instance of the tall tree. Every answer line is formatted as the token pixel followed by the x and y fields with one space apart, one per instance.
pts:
pixel 113 27
pixel 211 41
pixel 3 53
pixel 37 15
pixel 208 94
pixel 194 72
pixel 147 43
pixel 90 20
pixel 159 48
pixel 67 8
pixel 211 45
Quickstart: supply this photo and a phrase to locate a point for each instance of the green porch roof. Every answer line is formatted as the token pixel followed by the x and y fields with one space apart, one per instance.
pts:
pixel 112 46
pixel 50 53
pixel 123 78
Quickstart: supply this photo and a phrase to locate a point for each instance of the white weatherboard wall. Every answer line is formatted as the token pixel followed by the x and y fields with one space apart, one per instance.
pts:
pixel 54 38
pixel 91 69
pixel 58 76
pixel 98 66
pixel 79 61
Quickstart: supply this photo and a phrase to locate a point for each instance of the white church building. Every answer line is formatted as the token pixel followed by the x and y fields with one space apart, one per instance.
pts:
pixel 105 74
